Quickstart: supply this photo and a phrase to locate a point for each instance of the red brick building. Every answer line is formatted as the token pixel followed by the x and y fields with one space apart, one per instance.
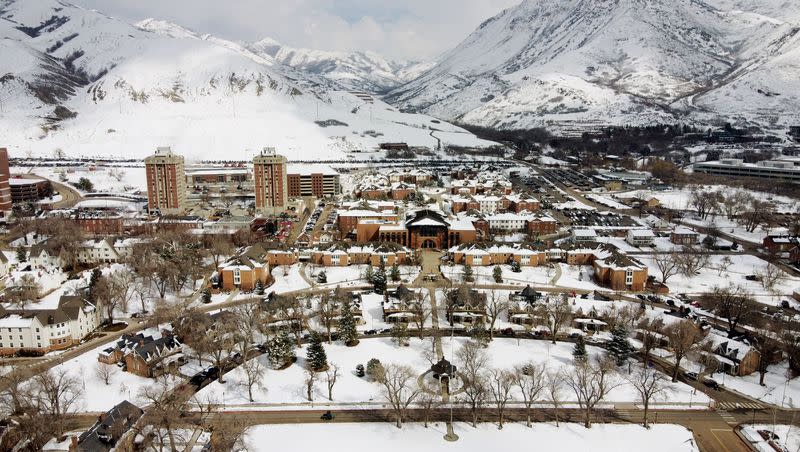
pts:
pixel 5 189
pixel 166 182
pixel 271 182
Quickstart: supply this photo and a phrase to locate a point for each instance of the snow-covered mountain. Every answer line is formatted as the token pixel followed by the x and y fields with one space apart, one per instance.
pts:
pixel 621 62
pixel 80 81
pixel 358 71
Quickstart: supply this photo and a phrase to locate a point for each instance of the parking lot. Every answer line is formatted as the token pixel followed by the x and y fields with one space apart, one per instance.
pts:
pixel 580 217
pixel 571 179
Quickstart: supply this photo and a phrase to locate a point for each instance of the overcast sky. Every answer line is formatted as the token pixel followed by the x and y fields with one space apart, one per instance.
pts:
pixel 410 29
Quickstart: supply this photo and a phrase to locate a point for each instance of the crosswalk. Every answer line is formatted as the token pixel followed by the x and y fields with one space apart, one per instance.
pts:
pixel 739 406
pixel 727 417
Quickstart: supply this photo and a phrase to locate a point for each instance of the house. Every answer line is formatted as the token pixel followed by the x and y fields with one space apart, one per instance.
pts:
pixel 343 255
pixel 655 223
pixel 794 255
pixel 149 357
pixel 110 427
pixel 401 191
pixel 583 235
pixel 401 305
pixel 104 251
pixel 45 330
pixel 528 295
pixel 507 222
pixel 40 255
pixel 640 237
pixel 542 225
pixel 735 357
pixel 780 243
pixel 465 305
pixel 620 272
pixel 589 324
pixel 245 270
pixel 483 254
pixel 684 236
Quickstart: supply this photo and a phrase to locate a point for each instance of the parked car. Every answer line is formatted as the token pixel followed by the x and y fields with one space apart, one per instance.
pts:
pixel 690 375
pixel 327 416
pixel 711 383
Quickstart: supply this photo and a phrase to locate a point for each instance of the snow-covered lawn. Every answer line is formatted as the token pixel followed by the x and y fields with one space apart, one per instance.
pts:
pixel 354 274
pixel 130 179
pixel 287 279
pixel 710 276
pixel 546 437
pixel 286 386
pixel 788 437
pixel 779 390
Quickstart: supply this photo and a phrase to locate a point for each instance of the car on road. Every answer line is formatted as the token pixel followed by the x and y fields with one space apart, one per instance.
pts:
pixel 327 416
pixel 690 376
pixel 711 383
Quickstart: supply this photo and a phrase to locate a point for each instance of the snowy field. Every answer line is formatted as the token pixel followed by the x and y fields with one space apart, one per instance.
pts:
pixel 547 437
pixel 285 388
pixel 287 279
pixel 710 276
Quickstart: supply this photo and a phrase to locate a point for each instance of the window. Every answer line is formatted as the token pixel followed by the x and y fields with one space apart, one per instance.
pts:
pixel 628 277
pixel 237 277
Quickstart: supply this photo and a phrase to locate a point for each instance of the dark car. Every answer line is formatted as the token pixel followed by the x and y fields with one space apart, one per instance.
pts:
pixel 711 383
pixel 690 376
pixel 370 332
pixel 327 416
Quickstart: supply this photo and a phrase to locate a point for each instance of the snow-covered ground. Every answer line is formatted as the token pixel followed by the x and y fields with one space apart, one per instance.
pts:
pixel 282 388
pixel 567 437
pixel 780 389
pixel 788 437
pixel 710 276
pixel 287 279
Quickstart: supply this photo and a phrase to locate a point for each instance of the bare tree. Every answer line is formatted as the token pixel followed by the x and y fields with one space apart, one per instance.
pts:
pixel 104 372
pixel 733 304
pixel 530 380
pixel 651 330
pixel 556 314
pixel 495 306
pixel 165 407
pixel 500 384
pixel 228 435
pixel 253 372
pixel 221 340
pixel 57 394
pixel 399 389
pixel 218 246
pixel 691 261
pixel 421 309
pixel 648 383
pixel 473 359
pixel 684 338
pixel 25 290
pixel 327 314
pixel 553 381
pixel 428 402
pixel 724 264
pixel 331 375
pixel 667 265
pixel 771 277
pixel 590 382
pixel 16 397
pixel 767 341
pixel 310 382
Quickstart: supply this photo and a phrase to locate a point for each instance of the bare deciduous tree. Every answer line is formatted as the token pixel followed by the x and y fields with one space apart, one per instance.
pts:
pixel 399 389
pixel 104 372
pixel 253 372
pixel 590 381
pixel 421 309
pixel 530 380
pixel 556 314
pixel 57 394
pixel 331 375
pixel 553 382
pixel 648 383
pixel 500 384
pixel 667 264
pixel 684 338
pixel 733 304
pixel 473 359
pixel 495 306
pixel 310 382
pixel 165 406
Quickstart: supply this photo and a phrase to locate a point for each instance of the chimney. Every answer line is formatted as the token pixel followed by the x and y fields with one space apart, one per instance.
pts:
pixel 73 443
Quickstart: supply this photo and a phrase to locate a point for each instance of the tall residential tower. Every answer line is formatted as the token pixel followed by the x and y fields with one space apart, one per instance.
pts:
pixel 166 182
pixel 269 174
pixel 5 189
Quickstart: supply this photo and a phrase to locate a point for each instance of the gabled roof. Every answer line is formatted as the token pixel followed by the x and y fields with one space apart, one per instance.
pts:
pixel 427 218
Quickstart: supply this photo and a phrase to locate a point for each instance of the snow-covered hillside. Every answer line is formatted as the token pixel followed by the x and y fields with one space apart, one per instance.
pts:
pixel 619 61
pixel 358 71
pixel 88 84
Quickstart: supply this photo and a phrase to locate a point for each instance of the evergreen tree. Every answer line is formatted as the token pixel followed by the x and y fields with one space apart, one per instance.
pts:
pixel 469 275
pixel 22 255
pixel 322 277
pixel 347 324
pixel 93 280
pixel 619 347
pixel 369 274
pixel 379 281
pixel 497 273
pixel 360 371
pixel 206 296
pixel 315 355
pixel 394 273
pixel 259 288
pixel 374 369
pixel 515 267
pixel 281 350
pixel 579 350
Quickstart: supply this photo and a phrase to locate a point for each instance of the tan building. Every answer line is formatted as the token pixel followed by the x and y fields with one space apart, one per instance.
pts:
pixel 269 176
pixel 620 272
pixel 166 182
pixel 245 270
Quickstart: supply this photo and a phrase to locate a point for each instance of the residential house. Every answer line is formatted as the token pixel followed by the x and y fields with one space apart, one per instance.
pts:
pixel 583 235
pixel 640 237
pixel 109 429
pixel 684 236
pixel 245 270
pixel 620 272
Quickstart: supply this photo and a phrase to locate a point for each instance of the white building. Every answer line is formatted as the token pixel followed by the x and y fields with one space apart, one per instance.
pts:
pixel 45 330
pixel 105 251
pixel 784 169
pixel 507 222
pixel 640 237
pixel 584 235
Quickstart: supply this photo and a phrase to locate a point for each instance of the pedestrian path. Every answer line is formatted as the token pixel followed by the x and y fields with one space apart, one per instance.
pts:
pixel 727 417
